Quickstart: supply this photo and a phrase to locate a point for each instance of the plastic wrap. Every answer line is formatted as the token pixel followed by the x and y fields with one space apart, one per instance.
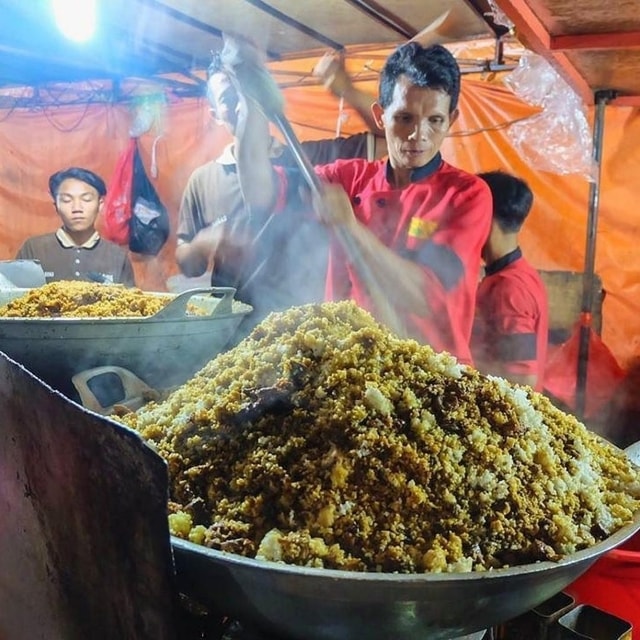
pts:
pixel 147 114
pixel 558 139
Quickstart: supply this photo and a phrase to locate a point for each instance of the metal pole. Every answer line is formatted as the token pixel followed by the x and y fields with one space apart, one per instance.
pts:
pixel 601 99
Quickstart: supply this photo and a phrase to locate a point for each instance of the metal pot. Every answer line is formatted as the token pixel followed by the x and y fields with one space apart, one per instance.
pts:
pixel 164 349
pixel 84 543
pixel 316 604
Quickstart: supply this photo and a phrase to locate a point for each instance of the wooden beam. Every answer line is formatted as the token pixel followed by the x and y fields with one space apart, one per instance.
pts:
pixel 527 24
pixel 621 40
pixel 626 101
pixel 534 35
pixel 383 16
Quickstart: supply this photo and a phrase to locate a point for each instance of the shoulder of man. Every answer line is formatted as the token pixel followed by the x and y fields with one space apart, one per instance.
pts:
pixel 464 178
pixel 201 172
pixel 42 240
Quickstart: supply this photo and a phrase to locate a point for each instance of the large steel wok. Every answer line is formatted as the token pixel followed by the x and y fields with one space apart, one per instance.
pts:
pixel 315 604
pixel 164 349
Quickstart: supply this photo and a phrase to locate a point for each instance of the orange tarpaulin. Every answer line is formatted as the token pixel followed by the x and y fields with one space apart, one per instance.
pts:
pixel 37 143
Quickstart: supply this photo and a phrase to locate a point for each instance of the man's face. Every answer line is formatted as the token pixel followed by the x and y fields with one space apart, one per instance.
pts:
pixel 224 101
pixel 78 204
pixel 415 123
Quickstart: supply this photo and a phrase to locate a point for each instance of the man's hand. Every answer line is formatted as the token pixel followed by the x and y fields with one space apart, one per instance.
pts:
pixel 331 70
pixel 209 238
pixel 196 256
pixel 332 205
pixel 238 49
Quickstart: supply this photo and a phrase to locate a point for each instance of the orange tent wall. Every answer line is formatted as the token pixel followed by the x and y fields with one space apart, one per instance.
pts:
pixel 37 143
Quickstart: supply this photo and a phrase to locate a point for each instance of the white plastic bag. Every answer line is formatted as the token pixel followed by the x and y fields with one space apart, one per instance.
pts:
pixel 558 139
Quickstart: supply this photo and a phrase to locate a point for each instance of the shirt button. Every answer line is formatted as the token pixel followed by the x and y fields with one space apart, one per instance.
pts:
pixel 77 261
pixel 381 202
pixel 77 273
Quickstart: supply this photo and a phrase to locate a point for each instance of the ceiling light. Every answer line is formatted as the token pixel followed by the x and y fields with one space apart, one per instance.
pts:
pixel 76 19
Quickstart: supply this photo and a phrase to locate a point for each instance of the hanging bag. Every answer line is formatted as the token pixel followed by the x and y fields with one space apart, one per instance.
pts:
pixel 117 209
pixel 149 223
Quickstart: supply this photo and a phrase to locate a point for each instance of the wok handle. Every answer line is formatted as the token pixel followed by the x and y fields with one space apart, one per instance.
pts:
pixel 177 308
pixel 134 387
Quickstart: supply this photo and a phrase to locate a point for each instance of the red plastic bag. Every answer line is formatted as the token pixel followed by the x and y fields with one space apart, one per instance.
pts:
pixel 604 374
pixel 116 212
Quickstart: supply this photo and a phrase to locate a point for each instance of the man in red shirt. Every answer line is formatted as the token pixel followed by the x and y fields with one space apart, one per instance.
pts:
pixel 413 226
pixel 510 331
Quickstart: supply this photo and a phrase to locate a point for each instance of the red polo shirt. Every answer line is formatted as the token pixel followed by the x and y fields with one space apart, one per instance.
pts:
pixel 439 221
pixel 512 319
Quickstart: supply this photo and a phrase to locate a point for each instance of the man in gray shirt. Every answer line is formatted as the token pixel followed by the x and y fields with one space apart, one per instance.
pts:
pixel 76 251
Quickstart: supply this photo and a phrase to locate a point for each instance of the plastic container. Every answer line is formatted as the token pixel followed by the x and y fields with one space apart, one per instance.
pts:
pixel 613 584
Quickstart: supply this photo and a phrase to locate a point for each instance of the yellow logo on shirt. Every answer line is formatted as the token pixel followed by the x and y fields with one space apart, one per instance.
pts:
pixel 422 229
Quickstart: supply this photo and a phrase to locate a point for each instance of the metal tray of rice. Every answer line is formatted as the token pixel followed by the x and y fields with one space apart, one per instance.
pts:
pixel 324 446
pixel 65 327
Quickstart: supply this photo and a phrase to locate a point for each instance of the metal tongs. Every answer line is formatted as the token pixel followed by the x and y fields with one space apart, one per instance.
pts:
pixel 259 86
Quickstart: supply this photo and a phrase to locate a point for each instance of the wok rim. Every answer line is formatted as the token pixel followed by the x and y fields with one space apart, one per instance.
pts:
pixel 584 555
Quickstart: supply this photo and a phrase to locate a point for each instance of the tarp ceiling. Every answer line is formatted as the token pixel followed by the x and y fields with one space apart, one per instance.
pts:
pixel 595 45
pixel 150 39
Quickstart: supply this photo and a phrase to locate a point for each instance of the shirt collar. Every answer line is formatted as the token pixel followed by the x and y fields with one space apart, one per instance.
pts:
pixel 67 242
pixel 228 156
pixel 419 172
pixel 501 263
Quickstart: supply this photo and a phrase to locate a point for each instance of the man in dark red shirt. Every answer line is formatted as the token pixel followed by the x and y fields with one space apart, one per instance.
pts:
pixel 510 331
pixel 413 226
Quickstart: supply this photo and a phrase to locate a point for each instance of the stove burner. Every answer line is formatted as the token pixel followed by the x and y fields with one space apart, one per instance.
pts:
pixel 236 632
pixel 559 614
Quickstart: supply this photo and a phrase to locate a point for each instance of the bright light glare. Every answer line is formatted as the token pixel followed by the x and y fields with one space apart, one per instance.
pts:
pixel 75 18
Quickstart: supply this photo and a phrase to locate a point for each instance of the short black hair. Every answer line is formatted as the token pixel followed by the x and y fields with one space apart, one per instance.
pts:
pixel 77 173
pixel 431 67
pixel 512 199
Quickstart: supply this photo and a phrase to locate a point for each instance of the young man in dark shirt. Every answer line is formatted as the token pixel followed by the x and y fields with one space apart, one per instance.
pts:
pixel 76 251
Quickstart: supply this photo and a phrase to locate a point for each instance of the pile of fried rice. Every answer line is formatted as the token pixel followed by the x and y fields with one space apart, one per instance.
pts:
pixel 79 299
pixel 324 440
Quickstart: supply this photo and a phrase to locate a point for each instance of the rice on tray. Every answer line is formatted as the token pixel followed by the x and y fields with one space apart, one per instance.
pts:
pixel 324 440
pixel 83 299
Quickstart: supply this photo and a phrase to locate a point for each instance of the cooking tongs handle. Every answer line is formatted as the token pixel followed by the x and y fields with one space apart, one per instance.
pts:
pixel 177 308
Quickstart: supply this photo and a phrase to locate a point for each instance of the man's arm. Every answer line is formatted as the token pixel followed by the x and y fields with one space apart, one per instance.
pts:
pixel 331 70
pixel 252 135
pixel 412 282
pixel 253 144
pixel 515 316
pixel 399 283
pixel 195 257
